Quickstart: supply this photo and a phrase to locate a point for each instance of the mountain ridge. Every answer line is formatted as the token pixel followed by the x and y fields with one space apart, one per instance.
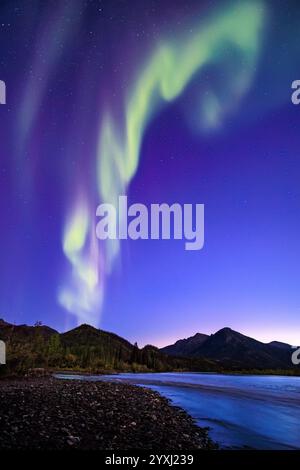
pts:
pixel 86 347
pixel 234 348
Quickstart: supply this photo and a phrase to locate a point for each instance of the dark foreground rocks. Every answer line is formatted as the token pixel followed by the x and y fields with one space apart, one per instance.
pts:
pixel 58 414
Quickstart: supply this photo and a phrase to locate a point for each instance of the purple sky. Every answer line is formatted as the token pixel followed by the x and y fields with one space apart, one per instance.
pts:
pixel 63 67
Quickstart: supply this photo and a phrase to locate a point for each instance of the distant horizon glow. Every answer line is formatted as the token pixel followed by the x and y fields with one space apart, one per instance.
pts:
pixel 266 337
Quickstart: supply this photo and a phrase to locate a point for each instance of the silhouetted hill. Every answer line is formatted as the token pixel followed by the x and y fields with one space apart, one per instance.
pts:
pixel 84 334
pixel 233 349
pixel 104 344
pixel 278 344
pixel 90 349
pixel 98 348
pixel 185 347
pixel 85 348
pixel 24 333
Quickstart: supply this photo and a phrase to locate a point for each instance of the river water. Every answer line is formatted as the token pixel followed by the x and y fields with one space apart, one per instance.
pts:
pixel 261 412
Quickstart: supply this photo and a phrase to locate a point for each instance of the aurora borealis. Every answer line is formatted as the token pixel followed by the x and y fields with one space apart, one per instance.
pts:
pixel 177 101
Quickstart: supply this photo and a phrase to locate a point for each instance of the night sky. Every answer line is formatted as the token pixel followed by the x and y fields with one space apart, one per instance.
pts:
pixel 165 101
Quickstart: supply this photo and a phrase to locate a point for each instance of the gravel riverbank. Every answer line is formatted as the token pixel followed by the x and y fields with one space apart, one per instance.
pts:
pixel 58 414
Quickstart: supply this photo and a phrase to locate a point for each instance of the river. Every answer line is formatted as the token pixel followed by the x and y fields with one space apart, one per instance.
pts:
pixel 242 411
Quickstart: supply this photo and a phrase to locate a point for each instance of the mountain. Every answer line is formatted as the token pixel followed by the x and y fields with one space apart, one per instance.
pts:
pixel 101 344
pixel 278 344
pixel 185 347
pixel 24 333
pixel 234 350
pixel 94 350
pixel 86 334
pixel 85 348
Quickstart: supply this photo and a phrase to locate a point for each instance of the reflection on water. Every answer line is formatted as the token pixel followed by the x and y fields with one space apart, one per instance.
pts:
pixel 261 412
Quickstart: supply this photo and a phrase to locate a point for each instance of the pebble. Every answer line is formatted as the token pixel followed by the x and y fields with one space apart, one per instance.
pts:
pixel 48 413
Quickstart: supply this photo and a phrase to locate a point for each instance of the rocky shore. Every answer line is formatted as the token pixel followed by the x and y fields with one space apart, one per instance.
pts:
pixel 57 414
